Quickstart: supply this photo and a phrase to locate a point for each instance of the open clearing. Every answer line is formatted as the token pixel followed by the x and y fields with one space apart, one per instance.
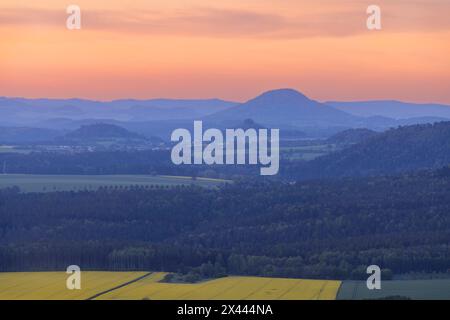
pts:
pixel 438 289
pixel 52 286
pixel 51 183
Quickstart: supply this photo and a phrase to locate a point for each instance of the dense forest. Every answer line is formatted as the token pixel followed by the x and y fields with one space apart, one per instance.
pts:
pixel 316 229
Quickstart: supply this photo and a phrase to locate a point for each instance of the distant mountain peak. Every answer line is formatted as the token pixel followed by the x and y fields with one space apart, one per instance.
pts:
pixel 285 107
pixel 284 94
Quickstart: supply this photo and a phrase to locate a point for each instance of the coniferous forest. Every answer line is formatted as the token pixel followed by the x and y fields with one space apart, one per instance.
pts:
pixel 317 229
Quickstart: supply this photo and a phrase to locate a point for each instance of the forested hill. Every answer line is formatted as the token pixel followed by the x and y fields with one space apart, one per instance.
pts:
pixel 398 150
pixel 101 131
pixel 352 136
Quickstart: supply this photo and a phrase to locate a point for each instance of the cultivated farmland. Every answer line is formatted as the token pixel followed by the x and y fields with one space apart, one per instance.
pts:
pixel 52 285
pixel 106 286
pixel 51 183
pixel 149 286
pixel 229 288
pixel 405 289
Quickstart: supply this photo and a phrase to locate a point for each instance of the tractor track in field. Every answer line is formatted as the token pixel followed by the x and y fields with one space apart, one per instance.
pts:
pixel 119 286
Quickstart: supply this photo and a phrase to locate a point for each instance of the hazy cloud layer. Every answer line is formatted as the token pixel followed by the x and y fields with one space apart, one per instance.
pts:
pixel 210 22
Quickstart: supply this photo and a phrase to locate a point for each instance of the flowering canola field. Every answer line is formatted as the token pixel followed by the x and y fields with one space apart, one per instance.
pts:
pixel 120 286
pixel 229 288
pixel 52 285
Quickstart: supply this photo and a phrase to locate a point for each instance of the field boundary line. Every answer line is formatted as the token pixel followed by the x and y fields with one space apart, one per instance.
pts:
pixel 119 286
pixel 295 285
pixel 339 290
pixel 317 295
pixel 258 289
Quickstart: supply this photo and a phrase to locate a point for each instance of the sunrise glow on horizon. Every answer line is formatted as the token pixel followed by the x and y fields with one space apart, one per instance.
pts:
pixel 231 50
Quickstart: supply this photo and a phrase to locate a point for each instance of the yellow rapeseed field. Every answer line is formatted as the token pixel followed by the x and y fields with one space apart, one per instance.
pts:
pixel 229 288
pixel 52 286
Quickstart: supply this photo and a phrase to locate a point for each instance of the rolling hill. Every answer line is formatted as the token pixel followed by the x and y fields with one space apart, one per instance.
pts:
pixel 22 111
pixel 351 136
pixel 101 131
pixel 26 135
pixel 106 134
pixel 393 109
pixel 397 150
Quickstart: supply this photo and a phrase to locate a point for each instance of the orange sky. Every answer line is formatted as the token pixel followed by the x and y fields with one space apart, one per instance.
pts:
pixel 232 49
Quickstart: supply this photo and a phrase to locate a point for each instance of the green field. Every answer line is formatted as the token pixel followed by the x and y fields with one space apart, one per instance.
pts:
pixel 307 153
pixel 438 289
pixel 10 149
pixel 50 183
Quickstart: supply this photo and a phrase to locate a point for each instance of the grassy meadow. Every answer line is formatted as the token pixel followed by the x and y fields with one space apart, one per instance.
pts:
pixel 307 153
pixel 437 289
pixel 12 149
pixel 51 183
